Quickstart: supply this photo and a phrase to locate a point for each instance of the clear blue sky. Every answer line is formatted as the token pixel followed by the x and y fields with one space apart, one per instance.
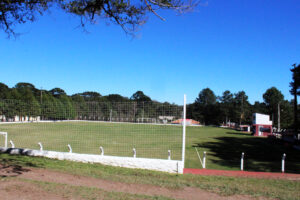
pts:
pixel 233 44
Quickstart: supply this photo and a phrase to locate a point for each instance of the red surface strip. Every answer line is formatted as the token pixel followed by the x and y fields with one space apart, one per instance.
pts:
pixel 214 172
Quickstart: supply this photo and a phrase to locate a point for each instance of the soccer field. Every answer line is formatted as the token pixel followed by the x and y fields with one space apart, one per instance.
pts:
pixel 223 146
pixel 118 139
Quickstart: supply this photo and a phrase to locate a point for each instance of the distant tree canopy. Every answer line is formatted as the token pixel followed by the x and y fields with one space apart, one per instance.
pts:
pixel 140 96
pixel 127 14
pixel 26 100
pixel 273 98
pixel 211 109
pixel 295 91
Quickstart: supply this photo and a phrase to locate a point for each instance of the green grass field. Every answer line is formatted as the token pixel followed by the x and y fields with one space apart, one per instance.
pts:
pixel 223 146
pixel 150 141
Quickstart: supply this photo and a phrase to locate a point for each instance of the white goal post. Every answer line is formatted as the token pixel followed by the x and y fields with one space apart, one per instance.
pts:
pixel 5 135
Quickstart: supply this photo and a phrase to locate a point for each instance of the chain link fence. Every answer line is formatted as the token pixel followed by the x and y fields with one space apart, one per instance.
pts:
pixel 151 128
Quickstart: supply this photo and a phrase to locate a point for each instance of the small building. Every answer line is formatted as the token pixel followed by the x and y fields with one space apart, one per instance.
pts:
pixel 245 128
pixel 261 125
pixel 188 122
pixel 165 119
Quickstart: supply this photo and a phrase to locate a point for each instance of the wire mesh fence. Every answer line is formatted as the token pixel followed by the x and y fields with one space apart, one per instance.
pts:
pixel 151 128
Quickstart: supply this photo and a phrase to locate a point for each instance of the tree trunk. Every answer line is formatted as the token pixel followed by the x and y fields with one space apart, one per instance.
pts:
pixel 295 112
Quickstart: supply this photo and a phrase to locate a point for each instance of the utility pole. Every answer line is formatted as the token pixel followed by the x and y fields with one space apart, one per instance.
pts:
pixel 143 112
pixel 41 100
pixel 278 120
pixel 110 115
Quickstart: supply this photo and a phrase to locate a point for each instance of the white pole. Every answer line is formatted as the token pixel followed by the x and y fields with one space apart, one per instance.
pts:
pixel 204 159
pixel 242 162
pixel 183 130
pixel 12 144
pixel 110 114
pixel 41 146
pixel 169 154
pixel 6 140
pixel 134 152
pixel 70 148
pixel 199 157
pixel 102 151
pixel 283 162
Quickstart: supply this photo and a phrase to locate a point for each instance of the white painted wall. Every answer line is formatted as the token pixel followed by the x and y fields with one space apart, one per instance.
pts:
pixel 261 119
pixel 171 166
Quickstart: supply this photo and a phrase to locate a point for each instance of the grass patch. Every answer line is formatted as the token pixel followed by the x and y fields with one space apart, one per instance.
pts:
pixel 223 146
pixel 150 141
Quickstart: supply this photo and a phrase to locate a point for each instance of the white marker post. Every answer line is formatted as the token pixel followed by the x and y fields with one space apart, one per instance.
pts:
pixel 283 163
pixel 102 151
pixel 41 146
pixel 169 154
pixel 242 162
pixel 70 148
pixel 12 144
pixel 134 152
pixel 204 159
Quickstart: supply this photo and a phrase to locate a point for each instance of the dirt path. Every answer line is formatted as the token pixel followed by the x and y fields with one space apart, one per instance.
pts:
pixel 214 172
pixel 14 188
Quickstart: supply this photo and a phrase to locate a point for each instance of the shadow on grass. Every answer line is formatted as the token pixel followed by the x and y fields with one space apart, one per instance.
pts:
pixel 14 165
pixel 239 133
pixel 261 154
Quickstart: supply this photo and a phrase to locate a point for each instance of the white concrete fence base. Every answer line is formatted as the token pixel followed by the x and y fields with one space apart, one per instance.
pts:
pixel 171 166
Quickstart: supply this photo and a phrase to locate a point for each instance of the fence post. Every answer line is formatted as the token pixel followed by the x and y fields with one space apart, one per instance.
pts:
pixel 70 148
pixel 183 130
pixel 41 146
pixel 242 162
pixel 169 154
pixel 204 159
pixel 283 163
pixel 102 151
pixel 134 152
pixel 12 144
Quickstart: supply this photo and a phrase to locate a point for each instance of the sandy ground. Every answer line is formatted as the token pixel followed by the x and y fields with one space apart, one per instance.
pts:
pixel 16 187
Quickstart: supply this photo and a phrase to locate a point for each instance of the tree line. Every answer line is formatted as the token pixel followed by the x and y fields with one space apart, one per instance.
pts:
pixel 235 107
pixel 25 100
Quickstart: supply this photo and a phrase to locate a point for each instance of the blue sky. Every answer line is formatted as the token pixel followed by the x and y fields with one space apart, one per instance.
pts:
pixel 233 44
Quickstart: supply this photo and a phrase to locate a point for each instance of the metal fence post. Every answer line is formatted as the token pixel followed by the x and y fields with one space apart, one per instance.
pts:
pixel 102 151
pixel 204 159
pixel 70 148
pixel 41 146
pixel 242 162
pixel 283 163
pixel 134 152
pixel 12 144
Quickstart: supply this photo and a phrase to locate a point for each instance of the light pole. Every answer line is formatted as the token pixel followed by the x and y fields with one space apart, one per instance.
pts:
pixel 278 118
